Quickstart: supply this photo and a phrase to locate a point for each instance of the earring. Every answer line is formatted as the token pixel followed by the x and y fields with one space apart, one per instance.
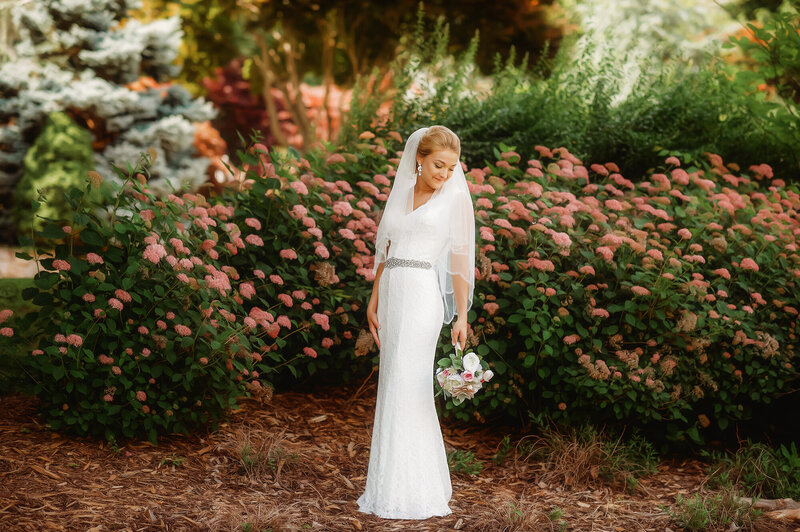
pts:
pixel 419 168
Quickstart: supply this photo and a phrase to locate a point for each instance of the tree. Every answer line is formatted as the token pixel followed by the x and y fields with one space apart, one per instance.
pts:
pixel 109 74
pixel 332 42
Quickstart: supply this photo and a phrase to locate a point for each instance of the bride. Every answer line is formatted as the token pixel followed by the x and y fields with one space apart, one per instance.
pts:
pixel 425 274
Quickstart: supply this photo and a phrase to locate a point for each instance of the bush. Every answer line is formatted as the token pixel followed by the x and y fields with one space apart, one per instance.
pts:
pixel 596 299
pixel 139 314
pixel 57 161
pixel 11 373
pixel 571 101
pixel 667 303
pixel 320 214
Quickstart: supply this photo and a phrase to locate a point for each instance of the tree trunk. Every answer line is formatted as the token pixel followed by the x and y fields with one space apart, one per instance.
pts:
pixel 268 76
pixel 327 29
pixel 294 95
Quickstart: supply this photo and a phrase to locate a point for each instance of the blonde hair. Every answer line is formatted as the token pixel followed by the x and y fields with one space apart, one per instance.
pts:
pixel 438 138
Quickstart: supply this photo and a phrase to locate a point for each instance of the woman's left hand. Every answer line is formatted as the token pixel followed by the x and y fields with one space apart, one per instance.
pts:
pixel 459 333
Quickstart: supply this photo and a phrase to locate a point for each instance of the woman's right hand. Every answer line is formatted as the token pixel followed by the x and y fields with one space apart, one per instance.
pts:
pixel 372 319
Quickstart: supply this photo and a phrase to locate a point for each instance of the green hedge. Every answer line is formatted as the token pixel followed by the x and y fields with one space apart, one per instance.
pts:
pixel 670 303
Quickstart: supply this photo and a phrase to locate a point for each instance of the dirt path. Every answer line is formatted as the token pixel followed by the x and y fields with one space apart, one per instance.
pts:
pixel 53 482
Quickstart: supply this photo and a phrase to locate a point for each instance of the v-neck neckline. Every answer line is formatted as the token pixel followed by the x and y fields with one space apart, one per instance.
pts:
pixel 433 196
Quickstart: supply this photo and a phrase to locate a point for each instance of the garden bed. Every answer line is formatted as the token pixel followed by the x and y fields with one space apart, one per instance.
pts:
pixel 320 445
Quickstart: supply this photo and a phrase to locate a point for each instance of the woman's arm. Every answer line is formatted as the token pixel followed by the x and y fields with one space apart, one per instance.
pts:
pixel 372 306
pixel 461 293
pixel 460 289
pixel 377 282
pixel 378 274
pixel 459 265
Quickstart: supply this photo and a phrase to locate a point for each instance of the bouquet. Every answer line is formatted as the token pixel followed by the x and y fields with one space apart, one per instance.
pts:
pixel 460 375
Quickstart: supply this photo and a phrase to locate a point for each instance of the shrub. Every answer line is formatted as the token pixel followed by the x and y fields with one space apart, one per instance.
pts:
pixel 139 314
pixel 571 101
pixel 11 373
pixel 772 51
pixel 596 299
pixel 319 212
pixel 667 302
pixel 58 160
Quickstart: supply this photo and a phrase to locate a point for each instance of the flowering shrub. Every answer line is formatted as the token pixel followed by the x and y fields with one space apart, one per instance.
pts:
pixel 667 302
pixel 596 298
pixel 142 336
pixel 671 301
pixel 310 222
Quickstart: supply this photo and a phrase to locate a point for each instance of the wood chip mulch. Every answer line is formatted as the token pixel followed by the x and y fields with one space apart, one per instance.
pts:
pixel 318 449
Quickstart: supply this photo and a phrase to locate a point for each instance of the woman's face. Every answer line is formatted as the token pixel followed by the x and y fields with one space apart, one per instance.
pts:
pixel 437 168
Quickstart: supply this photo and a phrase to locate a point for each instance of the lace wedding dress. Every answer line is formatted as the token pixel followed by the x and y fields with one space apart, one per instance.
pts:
pixel 408 476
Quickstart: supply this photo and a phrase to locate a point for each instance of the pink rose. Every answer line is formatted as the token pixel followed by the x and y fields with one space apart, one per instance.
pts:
pixel 468 376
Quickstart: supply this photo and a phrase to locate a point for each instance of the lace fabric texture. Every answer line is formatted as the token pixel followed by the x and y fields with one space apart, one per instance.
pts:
pixel 408 476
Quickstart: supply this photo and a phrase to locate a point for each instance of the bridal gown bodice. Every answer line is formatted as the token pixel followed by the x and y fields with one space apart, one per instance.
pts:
pixel 423 234
pixel 408 476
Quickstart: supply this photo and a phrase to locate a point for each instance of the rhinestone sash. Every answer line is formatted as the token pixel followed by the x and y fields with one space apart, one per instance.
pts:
pixel 394 262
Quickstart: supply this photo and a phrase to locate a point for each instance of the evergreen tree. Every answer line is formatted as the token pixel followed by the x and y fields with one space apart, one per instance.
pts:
pixel 110 74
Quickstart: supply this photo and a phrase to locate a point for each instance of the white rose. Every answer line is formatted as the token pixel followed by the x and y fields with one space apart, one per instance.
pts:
pixel 488 374
pixel 471 362
pixel 453 381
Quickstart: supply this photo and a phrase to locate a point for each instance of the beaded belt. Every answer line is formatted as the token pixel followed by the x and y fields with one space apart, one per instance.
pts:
pixel 394 262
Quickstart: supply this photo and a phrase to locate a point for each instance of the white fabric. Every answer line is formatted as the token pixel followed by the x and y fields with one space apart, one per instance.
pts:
pixel 408 476
pixel 450 243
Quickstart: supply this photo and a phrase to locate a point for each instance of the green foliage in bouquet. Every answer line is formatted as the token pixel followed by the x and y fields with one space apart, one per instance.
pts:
pixel 57 161
pixel 460 376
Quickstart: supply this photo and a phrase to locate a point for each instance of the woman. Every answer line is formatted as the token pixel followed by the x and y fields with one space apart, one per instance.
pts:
pixel 425 274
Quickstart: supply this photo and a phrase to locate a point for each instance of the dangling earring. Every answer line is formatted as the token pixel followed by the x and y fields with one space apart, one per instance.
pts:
pixel 419 169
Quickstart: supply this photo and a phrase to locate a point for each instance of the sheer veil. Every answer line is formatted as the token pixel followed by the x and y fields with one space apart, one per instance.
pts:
pixel 458 256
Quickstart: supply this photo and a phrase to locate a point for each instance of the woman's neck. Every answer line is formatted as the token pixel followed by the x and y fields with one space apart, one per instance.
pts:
pixel 419 190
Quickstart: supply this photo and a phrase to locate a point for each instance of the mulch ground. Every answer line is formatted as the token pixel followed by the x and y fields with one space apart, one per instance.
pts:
pixel 319 444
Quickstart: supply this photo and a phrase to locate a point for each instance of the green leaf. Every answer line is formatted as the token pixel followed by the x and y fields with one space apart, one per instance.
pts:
pixel 90 237
pixel 53 231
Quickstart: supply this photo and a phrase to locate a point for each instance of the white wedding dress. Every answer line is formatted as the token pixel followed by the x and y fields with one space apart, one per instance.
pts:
pixel 408 476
